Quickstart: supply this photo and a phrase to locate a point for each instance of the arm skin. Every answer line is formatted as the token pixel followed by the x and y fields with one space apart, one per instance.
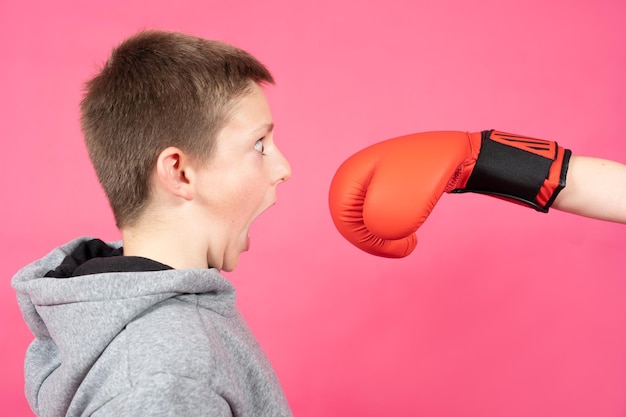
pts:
pixel 595 188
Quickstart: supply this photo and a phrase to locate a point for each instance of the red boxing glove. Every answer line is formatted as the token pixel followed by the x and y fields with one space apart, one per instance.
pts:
pixel 382 194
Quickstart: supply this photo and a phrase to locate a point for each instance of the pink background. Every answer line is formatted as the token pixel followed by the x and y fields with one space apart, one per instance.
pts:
pixel 501 311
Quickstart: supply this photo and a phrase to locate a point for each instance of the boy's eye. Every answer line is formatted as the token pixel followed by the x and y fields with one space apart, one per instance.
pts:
pixel 258 146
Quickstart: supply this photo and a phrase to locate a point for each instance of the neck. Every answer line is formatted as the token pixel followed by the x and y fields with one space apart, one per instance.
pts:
pixel 168 245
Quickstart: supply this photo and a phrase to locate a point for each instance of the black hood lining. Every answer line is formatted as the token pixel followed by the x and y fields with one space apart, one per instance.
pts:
pixel 95 257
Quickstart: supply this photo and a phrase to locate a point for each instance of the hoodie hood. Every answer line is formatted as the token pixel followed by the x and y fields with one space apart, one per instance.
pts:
pixel 80 296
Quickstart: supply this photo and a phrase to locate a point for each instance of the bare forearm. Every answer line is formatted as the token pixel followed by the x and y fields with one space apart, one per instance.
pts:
pixel 595 188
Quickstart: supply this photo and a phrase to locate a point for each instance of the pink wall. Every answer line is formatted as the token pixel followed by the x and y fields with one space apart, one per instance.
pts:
pixel 501 311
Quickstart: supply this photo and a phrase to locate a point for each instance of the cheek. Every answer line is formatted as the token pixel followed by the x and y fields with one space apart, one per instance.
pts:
pixel 239 191
pixel 248 197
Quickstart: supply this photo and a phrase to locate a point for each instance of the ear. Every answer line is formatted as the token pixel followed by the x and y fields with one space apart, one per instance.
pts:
pixel 173 172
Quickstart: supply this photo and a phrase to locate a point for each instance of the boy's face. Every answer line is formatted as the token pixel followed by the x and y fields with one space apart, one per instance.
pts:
pixel 239 182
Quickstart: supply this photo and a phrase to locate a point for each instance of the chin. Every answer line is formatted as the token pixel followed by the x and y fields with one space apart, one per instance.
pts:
pixel 230 264
pixel 229 267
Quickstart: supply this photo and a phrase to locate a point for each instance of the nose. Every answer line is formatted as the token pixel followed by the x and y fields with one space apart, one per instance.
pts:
pixel 283 169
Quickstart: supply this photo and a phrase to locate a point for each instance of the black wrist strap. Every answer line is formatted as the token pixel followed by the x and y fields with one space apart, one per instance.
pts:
pixel 513 173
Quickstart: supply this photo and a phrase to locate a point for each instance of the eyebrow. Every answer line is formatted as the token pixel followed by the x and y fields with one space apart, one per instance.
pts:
pixel 267 127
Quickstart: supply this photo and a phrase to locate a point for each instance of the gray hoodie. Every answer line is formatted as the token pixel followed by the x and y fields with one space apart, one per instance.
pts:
pixel 158 342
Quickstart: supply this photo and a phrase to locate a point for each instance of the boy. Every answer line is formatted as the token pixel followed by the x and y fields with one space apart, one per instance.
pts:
pixel 180 134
